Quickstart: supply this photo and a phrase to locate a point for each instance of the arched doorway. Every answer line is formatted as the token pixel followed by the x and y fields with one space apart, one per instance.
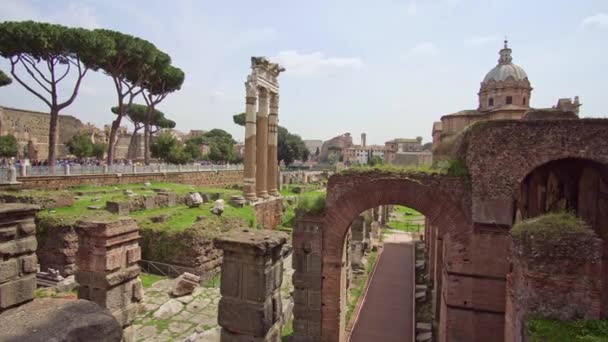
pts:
pixel 439 198
pixel 570 184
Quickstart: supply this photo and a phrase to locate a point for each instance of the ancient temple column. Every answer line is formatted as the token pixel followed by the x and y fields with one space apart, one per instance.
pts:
pixel 261 173
pixel 273 140
pixel 252 272
pixel 250 141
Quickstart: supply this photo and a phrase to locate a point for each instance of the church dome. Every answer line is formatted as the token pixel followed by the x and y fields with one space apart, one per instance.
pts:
pixel 505 68
pixel 503 71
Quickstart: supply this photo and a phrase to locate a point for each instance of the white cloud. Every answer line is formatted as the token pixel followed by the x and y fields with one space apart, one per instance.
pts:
pixel 480 40
pixel 78 15
pixel 260 34
pixel 74 14
pixel 412 8
pixel 314 63
pixel 425 49
pixel 597 21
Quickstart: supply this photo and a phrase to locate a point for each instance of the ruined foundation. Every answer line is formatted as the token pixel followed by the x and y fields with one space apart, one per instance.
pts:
pixel 17 254
pixel 108 272
pixel 252 273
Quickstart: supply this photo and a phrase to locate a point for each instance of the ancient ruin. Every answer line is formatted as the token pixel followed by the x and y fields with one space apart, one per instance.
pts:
pixel 252 274
pixel 261 165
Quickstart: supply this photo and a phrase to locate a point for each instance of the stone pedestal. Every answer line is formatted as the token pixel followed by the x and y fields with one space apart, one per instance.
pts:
pixel 252 273
pixel 307 278
pixel 108 272
pixel 17 254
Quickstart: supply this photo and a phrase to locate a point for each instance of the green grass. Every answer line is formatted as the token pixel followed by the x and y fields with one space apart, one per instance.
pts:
pixel 312 202
pixel 214 282
pixel 148 279
pixel 287 331
pixel 541 330
pixel 356 291
pixel 406 222
pixel 181 217
pixel 550 226
pixel 450 167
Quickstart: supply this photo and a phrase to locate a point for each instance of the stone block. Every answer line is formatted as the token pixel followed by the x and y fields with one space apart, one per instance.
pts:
pixel 133 255
pixel 119 208
pixel 8 233
pixel 185 284
pixel 273 335
pixel 27 227
pixel 9 269
pixel 126 315
pixel 19 246
pixel 102 280
pixel 17 291
pixel 29 263
pixel 245 317
pixel 493 211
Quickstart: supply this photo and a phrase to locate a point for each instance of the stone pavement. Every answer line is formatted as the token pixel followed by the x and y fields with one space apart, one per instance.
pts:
pixel 189 318
pixel 388 306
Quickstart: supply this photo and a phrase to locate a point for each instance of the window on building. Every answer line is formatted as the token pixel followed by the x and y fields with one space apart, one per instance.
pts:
pixel 509 99
pixel 491 102
pixel 524 101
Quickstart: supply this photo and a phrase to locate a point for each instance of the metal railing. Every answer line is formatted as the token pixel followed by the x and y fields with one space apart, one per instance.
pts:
pixel 76 169
pixel 167 270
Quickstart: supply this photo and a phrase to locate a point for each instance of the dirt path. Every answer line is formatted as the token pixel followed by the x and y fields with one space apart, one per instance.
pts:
pixel 386 314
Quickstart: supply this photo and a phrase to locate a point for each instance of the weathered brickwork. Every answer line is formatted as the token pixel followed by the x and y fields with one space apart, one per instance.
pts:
pixel 18 262
pixel 469 218
pixel 307 278
pixel 525 145
pixel 108 273
pixel 557 279
pixel 269 213
pixel 203 178
pixel 252 273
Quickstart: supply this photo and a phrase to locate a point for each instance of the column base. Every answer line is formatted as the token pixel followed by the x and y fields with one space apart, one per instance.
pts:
pixel 263 194
pixel 251 197
pixel 274 193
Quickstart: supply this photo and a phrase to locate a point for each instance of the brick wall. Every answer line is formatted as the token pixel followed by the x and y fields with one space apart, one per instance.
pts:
pixel 269 213
pixel 203 178
pixel 557 278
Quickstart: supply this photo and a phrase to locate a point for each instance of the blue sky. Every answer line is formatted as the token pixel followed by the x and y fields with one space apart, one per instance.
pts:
pixel 387 68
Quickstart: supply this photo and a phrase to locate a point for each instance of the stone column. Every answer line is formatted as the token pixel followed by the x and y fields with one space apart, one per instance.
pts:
pixel 67 169
pixel 23 170
pixel 108 272
pixel 261 172
pixel 250 141
pixel 18 261
pixel 273 140
pixel 307 278
pixel 252 273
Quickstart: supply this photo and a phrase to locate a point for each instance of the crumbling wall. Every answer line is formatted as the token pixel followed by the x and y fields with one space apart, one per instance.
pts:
pixel 556 272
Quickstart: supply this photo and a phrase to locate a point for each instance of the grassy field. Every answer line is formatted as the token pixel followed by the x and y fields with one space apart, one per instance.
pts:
pixel 540 330
pixel 408 220
pixel 148 279
pixel 356 291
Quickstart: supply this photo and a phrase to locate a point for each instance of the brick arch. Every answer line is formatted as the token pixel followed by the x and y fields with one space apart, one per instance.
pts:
pixel 441 199
pixel 520 174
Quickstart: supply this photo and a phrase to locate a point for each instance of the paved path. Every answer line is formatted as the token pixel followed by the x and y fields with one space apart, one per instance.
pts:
pixel 387 310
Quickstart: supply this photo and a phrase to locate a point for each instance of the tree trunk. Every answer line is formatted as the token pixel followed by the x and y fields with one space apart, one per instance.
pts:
pixel 53 130
pixel 132 150
pixel 147 144
pixel 112 139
